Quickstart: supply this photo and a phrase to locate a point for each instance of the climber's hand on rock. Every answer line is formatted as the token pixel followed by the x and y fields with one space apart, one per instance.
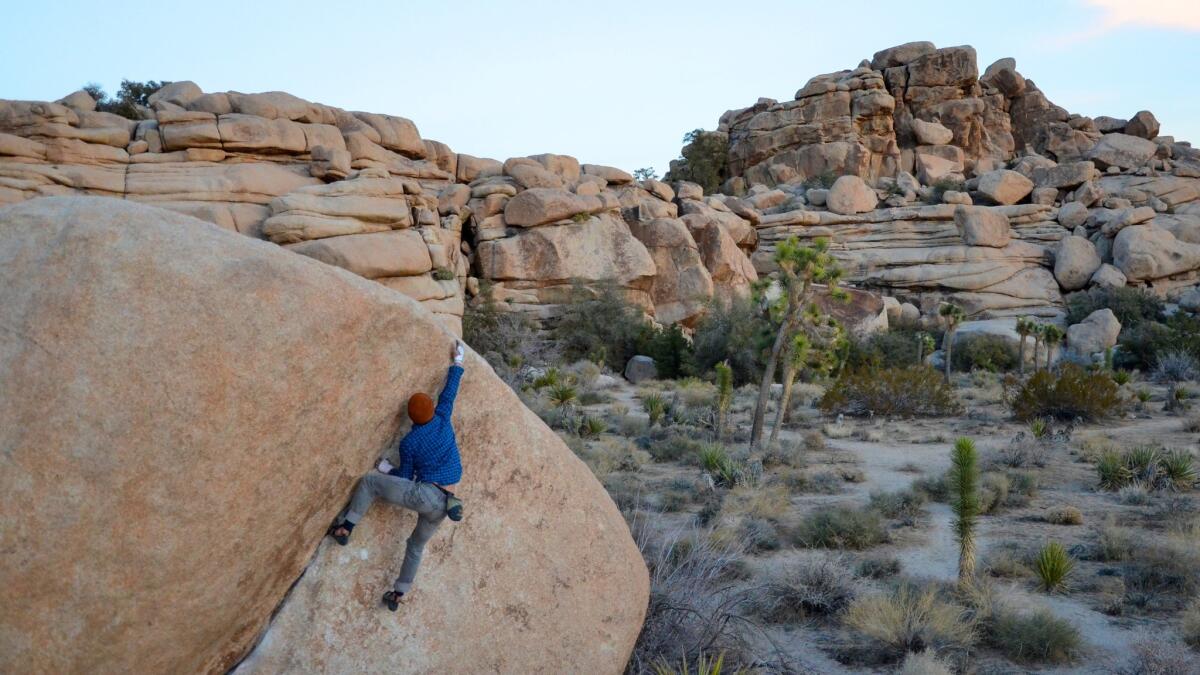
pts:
pixel 458 352
pixel 385 466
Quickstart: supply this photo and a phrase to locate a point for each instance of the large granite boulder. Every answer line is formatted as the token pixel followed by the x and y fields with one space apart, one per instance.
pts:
pixel 982 226
pixel 1122 151
pixel 682 286
pixel 1147 252
pixel 1096 333
pixel 1075 262
pixel 1004 187
pixel 850 194
pixel 183 411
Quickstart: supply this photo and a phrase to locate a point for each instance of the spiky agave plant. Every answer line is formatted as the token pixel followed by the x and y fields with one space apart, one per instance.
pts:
pixel 964 493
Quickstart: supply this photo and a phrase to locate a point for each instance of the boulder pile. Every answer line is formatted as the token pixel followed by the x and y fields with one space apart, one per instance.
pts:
pixel 878 159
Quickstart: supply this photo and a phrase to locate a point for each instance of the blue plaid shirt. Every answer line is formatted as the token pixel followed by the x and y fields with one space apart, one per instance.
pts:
pixel 429 453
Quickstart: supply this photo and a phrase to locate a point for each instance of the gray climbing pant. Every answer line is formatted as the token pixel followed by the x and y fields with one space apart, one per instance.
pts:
pixel 424 498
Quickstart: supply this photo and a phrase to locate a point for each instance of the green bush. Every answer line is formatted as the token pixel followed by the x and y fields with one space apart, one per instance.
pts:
pixel 1040 637
pixel 903 505
pixel 1072 392
pixel 842 527
pixel 737 333
pixel 599 325
pixel 914 391
pixel 668 347
pixel 1143 346
pixel 823 180
pixel 131 95
pixel 985 352
pixel 896 348
pixel 704 159
pixel 1132 306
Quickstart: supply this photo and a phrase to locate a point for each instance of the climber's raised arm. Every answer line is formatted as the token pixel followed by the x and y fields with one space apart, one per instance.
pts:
pixel 445 405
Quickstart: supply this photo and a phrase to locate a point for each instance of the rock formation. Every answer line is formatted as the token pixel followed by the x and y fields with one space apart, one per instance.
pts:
pixel 184 410
pixel 875 158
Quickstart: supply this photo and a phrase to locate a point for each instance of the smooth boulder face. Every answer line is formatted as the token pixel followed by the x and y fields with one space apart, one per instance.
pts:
pixel 1143 125
pixel 1004 187
pixel 682 286
pixel 1147 252
pixel 849 195
pixel 183 411
pixel 1108 276
pixel 1122 151
pixel 982 226
pixel 1075 262
pixel 539 206
pixel 1096 333
pixel 931 133
pixel 398 253
pixel 640 369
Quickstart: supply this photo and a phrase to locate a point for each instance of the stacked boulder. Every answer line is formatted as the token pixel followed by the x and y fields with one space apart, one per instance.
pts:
pixel 916 133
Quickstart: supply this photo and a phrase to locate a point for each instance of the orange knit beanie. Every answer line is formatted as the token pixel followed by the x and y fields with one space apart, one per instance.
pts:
pixel 420 408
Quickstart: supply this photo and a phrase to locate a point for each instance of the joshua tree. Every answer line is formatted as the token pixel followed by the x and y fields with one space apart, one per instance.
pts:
pixel 1025 328
pixel 964 486
pixel 799 268
pixel 953 315
pixel 1051 335
pixel 724 395
pixel 925 345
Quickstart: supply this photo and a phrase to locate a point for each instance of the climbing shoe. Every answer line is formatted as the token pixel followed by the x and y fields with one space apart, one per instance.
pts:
pixel 392 600
pixel 341 539
pixel 454 507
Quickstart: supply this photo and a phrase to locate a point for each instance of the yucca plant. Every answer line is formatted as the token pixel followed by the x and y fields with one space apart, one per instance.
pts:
pixel 655 407
pixel 1178 469
pixel 590 427
pixel 964 491
pixel 712 457
pixel 1143 395
pixel 1038 427
pixel 1114 473
pixel 1121 377
pixel 724 395
pixel 1053 566
pixel 547 379
pixel 564 397
pixel 1142 462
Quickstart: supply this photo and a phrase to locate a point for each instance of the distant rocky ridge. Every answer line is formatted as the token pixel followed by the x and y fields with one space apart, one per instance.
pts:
pixel 954 186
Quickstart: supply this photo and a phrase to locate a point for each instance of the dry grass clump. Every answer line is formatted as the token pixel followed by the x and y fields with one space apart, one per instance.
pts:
pixel 911 619
pixel 878 567
pixel 819 586
pixel 924 663
pixel 907 506
pixel 1189 624
pixel 814 441
pixel 838 430
pixel 1155 655
pixel 1064 515
pixel 1007 563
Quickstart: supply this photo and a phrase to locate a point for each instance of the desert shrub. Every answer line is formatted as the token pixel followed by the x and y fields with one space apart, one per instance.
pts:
pixel 1114 544
pixel 823 180
pixel 1053 565
pixel 841 527
pixel 1072 392
pixel 599 325
pixel 1158 655
pixel 704 664
pixel 937 488
pixel 1132 306
pixel 784 453
pixel 943 185
pixel 916 391
pixel 725 470
pixel 1191 425
pixel 924 663
pixel 878 567
pixel 985 352
pixel 668 347
pixel 1064 515
pixel 1176 366
pixel 1039 637
pixel 508 340
pixel 993 492
pixel 904 505
pixel 895 348
pixel 911 619
pixel 1189 624
pixel 758 535
pixel 676 447
pixel 703 160
pixel 1134 494
pixel 1141 346
pixel 819 586
pixel 1168 566
pixel 690 606
pixel 1007 564
pixel 826 482
pixel 737 333
pixel 131 95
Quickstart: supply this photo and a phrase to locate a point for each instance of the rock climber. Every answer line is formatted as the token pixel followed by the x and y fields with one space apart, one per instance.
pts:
pixel 429 467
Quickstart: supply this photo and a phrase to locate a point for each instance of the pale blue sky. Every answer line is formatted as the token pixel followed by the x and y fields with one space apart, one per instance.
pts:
pixel 614 82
